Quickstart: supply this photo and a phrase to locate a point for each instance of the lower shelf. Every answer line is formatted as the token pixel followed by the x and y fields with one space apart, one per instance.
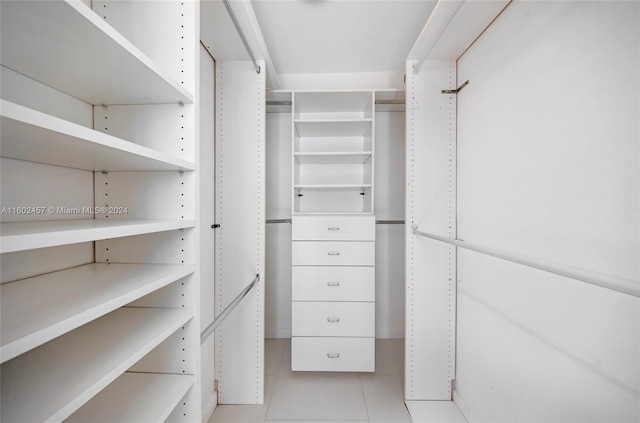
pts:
pixel 135 397
pixel 51 382
pixel 329 354
pixel 36 310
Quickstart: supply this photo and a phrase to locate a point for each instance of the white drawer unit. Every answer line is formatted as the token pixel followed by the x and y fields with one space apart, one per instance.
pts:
pixel 333 283
pixel 331 354
pixel 333 228
pixel 333 319
pixel 333 253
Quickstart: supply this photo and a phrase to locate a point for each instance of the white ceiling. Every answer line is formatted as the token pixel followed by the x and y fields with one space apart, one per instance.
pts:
pixel 340 36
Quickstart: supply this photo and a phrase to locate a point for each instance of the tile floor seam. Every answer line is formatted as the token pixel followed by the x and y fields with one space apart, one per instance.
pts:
pixel 275 382
pixel 364 397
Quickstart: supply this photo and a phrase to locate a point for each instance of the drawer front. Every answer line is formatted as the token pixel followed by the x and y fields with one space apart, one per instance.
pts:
pixel 333 253
pixel 327 283
pixel 333 228
pixel 332 319
pixel 333 354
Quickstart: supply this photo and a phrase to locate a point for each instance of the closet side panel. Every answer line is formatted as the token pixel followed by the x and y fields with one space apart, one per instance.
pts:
pixel 430 205
pixel 240 210
pixel 206 182
pixel 548 161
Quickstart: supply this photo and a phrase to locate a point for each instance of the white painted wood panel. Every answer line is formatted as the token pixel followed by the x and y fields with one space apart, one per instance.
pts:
pixel 344 319
pixel 44 192
pixel 56 33
pixel 97 352
pixel 550 170
pixel 38 309
pixel 37 137
pixel 240 241
pixel 430 204
pixel 333 354
pixel 333 228
pixel 29 235
pixel 333 283
pixel 140 397
pixel 333 253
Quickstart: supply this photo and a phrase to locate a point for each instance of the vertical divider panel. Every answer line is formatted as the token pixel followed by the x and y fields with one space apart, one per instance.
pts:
pixel 431 205
pixel 240 240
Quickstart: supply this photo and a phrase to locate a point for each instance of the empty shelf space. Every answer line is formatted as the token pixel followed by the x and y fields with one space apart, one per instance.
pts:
pixel 356 157
pixel 37 137
pixel 345 102
pixel 38 309
pixel 334 128
pixel 135 397
pixel 52 381
pixel 30 235
pixel 56 33
pixel 333 187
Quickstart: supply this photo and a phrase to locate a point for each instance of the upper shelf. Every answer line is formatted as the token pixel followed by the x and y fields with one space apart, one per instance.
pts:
pixel 38 309
pixel 37 137
pixel 74 51
pixel 356 157
pixel 334 127
pixel 344 103
pixel 21 236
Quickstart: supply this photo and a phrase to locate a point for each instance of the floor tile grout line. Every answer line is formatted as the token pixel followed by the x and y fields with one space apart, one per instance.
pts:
pixel 364 397
pixel 275 382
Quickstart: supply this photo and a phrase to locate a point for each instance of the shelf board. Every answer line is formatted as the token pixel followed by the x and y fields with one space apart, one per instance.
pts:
pixel 135 397
pixel 52 381
pixel 37 137
pixel 333 187
pixel 39 309
pixel 19 236
pixel 351 157
pixel 111 70
pixel 333 127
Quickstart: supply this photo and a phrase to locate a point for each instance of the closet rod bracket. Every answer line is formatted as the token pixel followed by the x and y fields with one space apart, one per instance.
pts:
pixel 457 90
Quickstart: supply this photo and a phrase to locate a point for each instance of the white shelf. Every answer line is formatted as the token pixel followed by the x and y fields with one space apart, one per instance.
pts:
pixel 21 236
pixel 72 49
pixel 52 381
pixel 135 397
pixel 333 187
pixel 333 127
pixel 37 137
pixel 355 157
pixel 38 309
pixel 333 102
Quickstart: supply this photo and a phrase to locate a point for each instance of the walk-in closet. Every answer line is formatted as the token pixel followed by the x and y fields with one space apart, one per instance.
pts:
pixel 385 211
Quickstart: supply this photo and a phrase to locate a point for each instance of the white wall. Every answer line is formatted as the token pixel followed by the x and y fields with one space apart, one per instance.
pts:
pixel 389 197
pixel 548 166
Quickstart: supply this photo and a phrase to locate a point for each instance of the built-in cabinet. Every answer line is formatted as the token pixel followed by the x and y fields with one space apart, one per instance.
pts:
pixel 99 159
pixel 333 232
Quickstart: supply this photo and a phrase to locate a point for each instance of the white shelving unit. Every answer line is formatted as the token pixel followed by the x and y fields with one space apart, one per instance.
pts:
pixel 333 151
pixel 333 251
pixel 113 309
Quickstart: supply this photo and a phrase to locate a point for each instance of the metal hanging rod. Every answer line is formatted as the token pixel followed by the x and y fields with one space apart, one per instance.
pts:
pixel 279 103
pixel 390 101
pixel 625 286
pixel 390 222
pixel 241 34
pixel 278 220
pixel 218 320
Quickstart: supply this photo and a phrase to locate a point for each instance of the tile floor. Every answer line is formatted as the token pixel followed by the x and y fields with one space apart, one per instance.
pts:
pixel 310 397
